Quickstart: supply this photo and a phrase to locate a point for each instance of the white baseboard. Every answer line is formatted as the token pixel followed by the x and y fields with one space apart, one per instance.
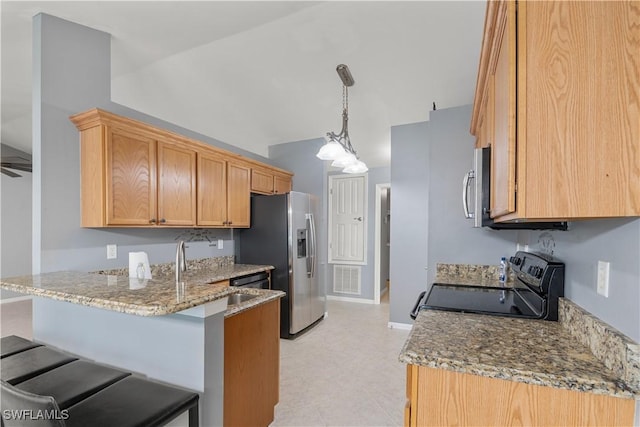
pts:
pixel 349 299
pixel 384 291
pixel 15 299
pixel 403 326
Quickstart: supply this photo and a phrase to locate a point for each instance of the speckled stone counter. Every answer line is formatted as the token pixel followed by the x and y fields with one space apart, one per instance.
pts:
pixel 117 292
pixel 530 351
pixel 262 296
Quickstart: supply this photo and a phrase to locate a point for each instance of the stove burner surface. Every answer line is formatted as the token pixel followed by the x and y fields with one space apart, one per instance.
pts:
pixel 477 299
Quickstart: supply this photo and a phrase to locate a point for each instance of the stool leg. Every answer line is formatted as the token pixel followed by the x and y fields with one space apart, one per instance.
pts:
pixel 194 417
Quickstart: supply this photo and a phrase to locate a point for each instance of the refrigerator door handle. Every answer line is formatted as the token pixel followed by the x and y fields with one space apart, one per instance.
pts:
pixel 312 246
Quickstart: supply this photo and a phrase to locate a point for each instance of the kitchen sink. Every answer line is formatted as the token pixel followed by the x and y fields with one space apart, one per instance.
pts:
pixel 239 298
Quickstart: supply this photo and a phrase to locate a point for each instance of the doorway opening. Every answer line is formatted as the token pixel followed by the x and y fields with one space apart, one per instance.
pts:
pixel 382 247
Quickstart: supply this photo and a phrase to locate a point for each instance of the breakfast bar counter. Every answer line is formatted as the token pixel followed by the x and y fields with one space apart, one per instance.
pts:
pixel 167 331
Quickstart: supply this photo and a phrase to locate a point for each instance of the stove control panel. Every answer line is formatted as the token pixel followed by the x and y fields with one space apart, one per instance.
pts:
pixel 540 272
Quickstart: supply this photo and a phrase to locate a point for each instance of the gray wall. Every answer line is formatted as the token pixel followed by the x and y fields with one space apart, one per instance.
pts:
pixel 587 242
pixel 72 74
pixel 409 217
pixel 451 237
pixel 15 223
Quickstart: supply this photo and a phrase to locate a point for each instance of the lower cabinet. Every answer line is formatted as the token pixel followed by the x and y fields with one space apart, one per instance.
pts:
pixel 437 397
pixel 252 365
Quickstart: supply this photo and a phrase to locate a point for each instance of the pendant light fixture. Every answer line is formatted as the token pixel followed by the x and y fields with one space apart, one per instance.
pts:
pixel 338 147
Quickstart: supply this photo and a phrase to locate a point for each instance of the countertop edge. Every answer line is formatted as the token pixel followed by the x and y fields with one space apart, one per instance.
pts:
pixel 571 383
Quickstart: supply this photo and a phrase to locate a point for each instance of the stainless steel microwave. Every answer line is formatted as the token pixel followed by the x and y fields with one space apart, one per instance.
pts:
pixel 476 195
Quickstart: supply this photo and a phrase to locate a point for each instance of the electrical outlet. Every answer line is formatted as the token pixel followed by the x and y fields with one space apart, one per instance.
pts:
pixel 220 244
pixel 603 278
pixel 112 251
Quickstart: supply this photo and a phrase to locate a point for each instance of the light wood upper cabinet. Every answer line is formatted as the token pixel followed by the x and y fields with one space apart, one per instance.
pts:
pixel 130 181
pixel 212 190
pixel 281 184
pixel 146 183
pixel 269 182
pixel 223 192
pixel 176 185
pixel 238 195
pixel 566 132
pixel 137 175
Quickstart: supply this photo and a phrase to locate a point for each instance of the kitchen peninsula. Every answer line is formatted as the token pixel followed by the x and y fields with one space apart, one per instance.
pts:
pixel 166 331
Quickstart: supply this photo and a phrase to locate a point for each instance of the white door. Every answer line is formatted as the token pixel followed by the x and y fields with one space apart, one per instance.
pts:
pixel 347 220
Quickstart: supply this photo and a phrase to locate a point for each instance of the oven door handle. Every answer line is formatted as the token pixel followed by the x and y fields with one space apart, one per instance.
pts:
pixel 414 312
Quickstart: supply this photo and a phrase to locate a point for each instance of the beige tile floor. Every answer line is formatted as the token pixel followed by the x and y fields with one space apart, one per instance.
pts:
pixel 342 372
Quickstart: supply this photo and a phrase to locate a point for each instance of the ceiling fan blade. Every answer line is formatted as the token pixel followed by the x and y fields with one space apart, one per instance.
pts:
pixel 9 173
pixel 18 166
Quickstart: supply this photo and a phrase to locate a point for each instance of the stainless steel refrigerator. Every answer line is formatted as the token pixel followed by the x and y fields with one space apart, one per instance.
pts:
pixel 283 234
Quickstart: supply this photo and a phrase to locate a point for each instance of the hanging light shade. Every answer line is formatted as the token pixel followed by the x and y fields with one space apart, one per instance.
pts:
pixel 344 160
pixel 357 167
pixel 338 147
pixel 331 151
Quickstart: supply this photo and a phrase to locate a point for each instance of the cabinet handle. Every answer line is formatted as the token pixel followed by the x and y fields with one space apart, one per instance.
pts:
pixel 229 223
pixel 163 220
pixel 152 221
pixel 225 222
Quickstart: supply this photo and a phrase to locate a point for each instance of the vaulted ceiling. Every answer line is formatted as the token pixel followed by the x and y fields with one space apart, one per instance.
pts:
pixel 258 73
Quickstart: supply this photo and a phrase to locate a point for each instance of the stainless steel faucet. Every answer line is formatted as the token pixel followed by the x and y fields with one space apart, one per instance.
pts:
pixel 181 262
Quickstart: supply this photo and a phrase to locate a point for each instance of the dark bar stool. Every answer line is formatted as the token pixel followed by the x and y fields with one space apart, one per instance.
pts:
pixel 134 402
pixel 27 364
pixel 14 344
pixel 13 399
pixel 73 382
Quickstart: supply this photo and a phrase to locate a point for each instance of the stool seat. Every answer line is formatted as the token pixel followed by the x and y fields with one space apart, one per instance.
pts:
pixel 27 364
pixel 14 344
pixel 70 383
pixel 134 402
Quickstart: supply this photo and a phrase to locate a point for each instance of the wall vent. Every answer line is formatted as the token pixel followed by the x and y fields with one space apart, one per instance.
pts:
pixel 346 279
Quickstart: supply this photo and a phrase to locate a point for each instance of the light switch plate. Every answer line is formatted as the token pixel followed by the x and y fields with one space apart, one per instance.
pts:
pixel 112 251
pixel 603 278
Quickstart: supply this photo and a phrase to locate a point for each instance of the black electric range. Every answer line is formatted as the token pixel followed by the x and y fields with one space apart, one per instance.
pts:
pixel 539 282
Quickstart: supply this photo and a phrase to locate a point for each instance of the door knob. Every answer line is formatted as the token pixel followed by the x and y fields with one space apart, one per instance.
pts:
pixel 358 218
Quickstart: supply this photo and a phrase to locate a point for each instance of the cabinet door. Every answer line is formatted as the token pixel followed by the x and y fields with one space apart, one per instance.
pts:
pixel 503 152
pixel 130 178
pixel 176 185
pixel 212 190
pixel 238 195
pixel 261 182
pixel 281 184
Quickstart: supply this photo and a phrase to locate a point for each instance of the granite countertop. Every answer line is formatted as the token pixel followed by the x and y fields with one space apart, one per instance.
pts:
pixel 530 351
pixel 157 296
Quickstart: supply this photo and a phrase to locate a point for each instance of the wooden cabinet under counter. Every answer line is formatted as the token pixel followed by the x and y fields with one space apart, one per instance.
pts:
pixel 559 90
pixel 252 365
pixel 438 397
